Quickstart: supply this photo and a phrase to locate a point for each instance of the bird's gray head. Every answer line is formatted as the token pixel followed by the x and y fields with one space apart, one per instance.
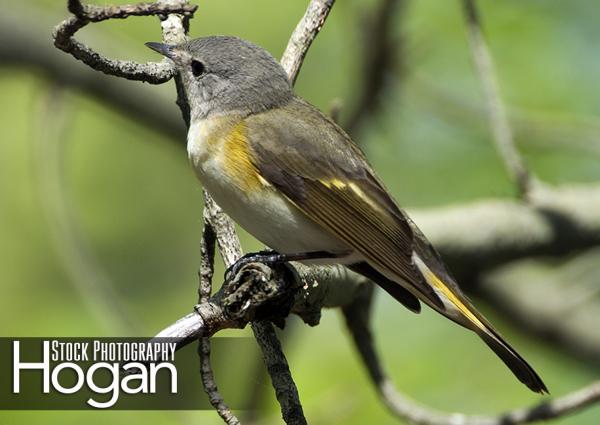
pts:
pixel 225 74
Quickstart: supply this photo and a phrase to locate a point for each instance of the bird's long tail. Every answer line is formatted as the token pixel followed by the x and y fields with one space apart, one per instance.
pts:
pixel 459 309
pixel 517 364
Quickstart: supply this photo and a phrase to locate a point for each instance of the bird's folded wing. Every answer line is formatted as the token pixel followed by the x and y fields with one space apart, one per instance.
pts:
pixel 324 175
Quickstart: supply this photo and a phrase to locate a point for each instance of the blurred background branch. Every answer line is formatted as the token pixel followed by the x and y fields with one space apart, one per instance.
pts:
pixel 87 276
pixel 29 48
pixel 382 53
pixel 501 130
pixel 357 315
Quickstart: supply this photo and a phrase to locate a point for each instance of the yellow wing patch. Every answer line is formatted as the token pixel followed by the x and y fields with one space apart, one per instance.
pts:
pixel 339 184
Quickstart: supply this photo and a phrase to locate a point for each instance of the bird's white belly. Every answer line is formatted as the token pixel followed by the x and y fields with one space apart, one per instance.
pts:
pixel 263 212
pixel 272 220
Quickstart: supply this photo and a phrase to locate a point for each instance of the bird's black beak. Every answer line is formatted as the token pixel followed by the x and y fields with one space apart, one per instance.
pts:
pixel 163 49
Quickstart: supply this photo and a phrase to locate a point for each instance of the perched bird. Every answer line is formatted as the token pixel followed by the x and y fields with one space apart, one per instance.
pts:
pixel 295 180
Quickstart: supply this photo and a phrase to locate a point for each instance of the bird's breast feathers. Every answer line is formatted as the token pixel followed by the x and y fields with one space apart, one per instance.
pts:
pixel 218 149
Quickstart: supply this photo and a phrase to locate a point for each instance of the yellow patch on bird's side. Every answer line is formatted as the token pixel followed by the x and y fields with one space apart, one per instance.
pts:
pixel 438 284
pixel 237 160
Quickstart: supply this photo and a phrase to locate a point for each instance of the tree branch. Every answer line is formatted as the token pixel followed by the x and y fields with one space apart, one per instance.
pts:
pixel 278 368
pixel 501 130
pixel 257 290
pixel 303 36
pixel 480 236
pixel 154 73
pixel 205 275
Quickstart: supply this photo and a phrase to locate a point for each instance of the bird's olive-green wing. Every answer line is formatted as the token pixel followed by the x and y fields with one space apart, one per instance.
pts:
pixel 312 161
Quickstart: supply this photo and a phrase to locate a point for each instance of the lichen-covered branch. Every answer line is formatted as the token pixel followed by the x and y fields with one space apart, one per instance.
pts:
pixel 277 366
pixel 257 291
pixel 155 73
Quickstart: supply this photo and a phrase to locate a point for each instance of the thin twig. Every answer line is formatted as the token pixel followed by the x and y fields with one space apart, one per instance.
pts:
pixel 419 414
pixel 381 53
pixel 205 274
pixel 228 242
pixel 501 130
pixel 90 281
pixel 210 385
pixel 357 315
pixel 335 109
pixel 207 259
pixel 303 36
pixel 28 49
pixel 153 72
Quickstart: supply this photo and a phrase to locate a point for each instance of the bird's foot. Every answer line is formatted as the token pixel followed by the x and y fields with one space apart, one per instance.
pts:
pixel 267 257
pixel 273 258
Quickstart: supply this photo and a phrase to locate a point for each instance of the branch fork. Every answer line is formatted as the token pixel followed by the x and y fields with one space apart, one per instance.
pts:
pixel 151 72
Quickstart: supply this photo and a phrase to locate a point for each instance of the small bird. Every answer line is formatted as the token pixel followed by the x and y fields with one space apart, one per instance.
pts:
pixel 292 178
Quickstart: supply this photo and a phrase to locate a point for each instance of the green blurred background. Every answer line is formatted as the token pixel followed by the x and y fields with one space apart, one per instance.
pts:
pixel 100 215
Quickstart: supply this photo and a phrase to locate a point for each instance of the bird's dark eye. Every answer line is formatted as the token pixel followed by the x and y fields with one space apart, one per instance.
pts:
pixel 197 68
